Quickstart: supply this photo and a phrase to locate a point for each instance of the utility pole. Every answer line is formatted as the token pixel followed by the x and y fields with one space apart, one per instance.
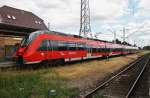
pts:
pixel 134 42
pixel 85 28
pixel 124 34
pixel 114 37
pixel 114 33
pixel 49 26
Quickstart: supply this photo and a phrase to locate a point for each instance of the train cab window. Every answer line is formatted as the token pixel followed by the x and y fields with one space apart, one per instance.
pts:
pixel 28 39
pixel 43 46
pixel 24 42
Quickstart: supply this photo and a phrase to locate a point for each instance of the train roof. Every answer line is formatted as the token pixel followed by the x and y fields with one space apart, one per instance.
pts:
pixel 75 38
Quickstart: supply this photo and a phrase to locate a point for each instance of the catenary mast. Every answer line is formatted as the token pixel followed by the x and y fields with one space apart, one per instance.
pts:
pixel 85 28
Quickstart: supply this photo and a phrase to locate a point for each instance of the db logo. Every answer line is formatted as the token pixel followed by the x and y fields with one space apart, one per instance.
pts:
pixel 72 52
pixel 62 53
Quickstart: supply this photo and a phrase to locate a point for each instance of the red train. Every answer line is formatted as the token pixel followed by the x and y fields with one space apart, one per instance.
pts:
pixel 54 47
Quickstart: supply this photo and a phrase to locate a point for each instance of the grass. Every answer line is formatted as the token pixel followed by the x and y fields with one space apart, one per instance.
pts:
pixel 68 81
pixel 16 84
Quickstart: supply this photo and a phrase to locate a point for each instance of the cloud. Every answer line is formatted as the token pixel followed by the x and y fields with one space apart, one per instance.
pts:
pixel 64 15
pixel 144 4
pixel 144 8
pixel 107 8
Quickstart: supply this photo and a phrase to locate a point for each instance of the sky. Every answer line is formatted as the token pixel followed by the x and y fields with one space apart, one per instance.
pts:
pixel 107 16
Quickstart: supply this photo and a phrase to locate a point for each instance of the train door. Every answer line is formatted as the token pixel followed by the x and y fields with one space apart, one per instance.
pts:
pixel 53 48
pixel 49 49
pixel 89 51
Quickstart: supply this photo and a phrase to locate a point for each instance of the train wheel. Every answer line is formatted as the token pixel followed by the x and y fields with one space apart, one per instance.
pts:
pixel 50 63
pixel 103 56
pixel 45 63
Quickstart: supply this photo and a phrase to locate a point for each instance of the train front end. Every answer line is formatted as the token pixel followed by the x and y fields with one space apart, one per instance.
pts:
pixel 20 52
pixel 27 51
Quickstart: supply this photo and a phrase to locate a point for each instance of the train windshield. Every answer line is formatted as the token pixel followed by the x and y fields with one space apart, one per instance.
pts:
pixel 28 39
pixel 24 41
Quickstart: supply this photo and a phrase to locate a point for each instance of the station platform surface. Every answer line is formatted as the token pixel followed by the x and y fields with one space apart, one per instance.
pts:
pixel 7 64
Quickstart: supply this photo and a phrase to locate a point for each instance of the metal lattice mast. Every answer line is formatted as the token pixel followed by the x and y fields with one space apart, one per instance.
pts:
pixel 85 28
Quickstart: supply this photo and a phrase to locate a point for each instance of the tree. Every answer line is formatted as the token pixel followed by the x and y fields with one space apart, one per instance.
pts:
pixel 117 41
pixel 146 47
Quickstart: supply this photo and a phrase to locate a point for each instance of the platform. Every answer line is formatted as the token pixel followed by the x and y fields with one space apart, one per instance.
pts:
pixel 7 64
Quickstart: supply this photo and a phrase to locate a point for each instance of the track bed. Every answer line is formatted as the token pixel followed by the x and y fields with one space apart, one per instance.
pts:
pixel 132 82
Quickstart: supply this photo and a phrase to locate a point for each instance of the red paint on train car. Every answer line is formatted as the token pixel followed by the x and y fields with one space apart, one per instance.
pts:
pixel 82 48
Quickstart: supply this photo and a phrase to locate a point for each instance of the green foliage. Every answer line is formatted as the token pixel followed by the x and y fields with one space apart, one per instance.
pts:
pixel 146 47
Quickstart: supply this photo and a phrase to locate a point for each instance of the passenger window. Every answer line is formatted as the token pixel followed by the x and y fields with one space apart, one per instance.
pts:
pixel 62 46
pixel 53 45
pixel 80 46
pixel 72 46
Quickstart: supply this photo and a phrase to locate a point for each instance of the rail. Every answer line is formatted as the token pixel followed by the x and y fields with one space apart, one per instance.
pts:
pixel 93 92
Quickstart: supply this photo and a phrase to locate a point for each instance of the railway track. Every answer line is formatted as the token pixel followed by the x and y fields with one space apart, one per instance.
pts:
pixel 126 83
pixel 142 87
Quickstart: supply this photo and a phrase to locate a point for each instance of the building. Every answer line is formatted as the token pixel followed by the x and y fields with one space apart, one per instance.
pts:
pixel 14 24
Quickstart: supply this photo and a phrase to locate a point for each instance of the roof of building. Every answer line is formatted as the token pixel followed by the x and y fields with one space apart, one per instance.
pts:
pixel 20 18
